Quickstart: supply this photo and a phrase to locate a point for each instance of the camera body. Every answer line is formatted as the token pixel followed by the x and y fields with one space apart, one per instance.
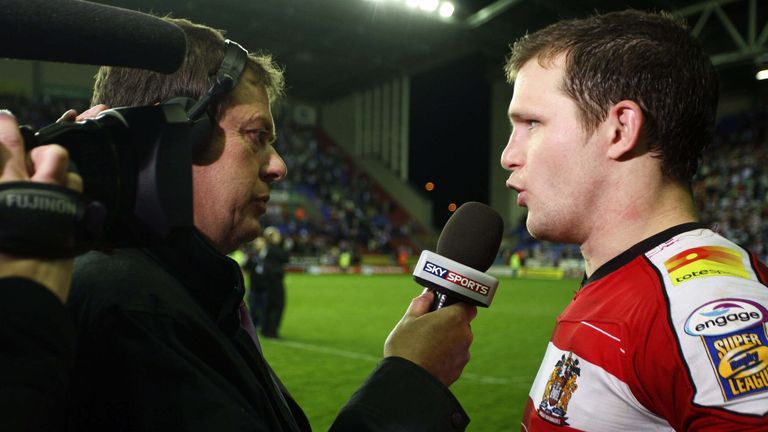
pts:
pixel 136 166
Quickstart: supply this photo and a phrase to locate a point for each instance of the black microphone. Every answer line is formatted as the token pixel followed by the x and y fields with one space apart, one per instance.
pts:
pixel 466 248
pixel 73 31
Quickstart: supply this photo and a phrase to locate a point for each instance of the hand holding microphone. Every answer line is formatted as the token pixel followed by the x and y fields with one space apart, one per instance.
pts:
pixel 439 341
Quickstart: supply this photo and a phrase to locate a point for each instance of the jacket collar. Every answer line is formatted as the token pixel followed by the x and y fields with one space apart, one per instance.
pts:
pixel 212 279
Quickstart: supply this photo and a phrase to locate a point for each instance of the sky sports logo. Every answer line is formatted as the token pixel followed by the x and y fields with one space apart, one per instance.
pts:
pixel 456 278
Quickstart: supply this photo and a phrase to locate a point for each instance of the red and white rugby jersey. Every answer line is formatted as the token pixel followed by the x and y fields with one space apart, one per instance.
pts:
pixel 669 335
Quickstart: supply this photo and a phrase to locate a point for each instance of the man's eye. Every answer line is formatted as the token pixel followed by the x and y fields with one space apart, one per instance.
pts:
pixel 258 136
pixel 532 124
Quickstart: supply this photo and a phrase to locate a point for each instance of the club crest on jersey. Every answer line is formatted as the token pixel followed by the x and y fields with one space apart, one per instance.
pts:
pixel 703 262
pixel 734 334
pixel 559 390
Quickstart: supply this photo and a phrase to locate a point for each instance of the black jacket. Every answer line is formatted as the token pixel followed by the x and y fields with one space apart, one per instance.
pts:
pixel 36 353
pixel 160 348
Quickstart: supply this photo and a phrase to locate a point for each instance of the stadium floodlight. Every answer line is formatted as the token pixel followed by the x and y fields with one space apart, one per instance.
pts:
pixel 443 9
pixel 762 74
pixel 446 9
pixel 429 5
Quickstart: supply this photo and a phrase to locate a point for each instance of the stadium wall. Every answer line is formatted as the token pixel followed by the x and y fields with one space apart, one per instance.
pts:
pixel 31 78
pixel 372 127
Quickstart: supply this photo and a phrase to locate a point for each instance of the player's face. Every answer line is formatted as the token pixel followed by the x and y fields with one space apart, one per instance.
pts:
pixel 231 188
pixel 549 155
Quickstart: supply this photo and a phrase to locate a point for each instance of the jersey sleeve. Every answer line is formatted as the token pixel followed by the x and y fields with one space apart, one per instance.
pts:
pixel 714 372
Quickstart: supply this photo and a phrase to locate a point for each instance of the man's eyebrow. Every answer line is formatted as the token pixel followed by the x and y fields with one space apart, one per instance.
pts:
pixel 268 125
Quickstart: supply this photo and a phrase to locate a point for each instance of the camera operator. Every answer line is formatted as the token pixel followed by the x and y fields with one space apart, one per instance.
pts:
pixel 164 340
pixel 36 333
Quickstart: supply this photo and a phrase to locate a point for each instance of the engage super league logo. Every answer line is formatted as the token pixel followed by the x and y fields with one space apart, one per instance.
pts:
pixel 734 333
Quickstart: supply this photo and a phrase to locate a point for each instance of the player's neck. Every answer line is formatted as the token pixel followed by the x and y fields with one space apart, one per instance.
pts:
pixel 633 218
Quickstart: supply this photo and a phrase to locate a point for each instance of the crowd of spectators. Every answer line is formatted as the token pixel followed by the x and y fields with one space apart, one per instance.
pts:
pixel 731 189
pixel 343 211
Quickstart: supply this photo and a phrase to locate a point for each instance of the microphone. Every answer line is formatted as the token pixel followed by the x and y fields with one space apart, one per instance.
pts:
pixel 74 31
pixel 466 248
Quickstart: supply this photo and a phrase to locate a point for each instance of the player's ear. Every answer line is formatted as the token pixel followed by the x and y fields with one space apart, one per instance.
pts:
pixel 624 122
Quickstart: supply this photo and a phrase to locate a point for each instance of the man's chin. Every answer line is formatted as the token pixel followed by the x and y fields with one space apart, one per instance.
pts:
pixel 236 241
pixel 250 233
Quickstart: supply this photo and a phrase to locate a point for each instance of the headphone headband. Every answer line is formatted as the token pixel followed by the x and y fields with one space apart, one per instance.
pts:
pixel 229 73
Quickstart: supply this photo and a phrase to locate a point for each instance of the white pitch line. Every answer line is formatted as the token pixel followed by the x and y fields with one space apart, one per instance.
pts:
pixel 331 351
pixel 373 359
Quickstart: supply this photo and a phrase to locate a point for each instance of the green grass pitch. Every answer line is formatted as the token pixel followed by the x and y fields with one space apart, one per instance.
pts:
pixel 334 328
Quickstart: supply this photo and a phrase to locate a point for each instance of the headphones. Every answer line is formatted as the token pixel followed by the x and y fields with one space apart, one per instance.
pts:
pixel 201 122
pixel 232 67
pixel 158 193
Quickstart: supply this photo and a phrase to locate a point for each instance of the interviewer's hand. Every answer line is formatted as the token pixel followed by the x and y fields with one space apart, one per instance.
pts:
pixel 72 115
pixel 438 341
pixel 45 164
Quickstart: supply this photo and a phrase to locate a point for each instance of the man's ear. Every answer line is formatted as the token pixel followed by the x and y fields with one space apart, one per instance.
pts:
pixel 625 121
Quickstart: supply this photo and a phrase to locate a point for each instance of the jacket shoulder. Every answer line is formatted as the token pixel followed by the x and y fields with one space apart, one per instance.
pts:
pixel 126 280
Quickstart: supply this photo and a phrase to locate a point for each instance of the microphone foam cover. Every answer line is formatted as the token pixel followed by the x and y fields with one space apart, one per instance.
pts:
pixel 472 236
pixel 74 31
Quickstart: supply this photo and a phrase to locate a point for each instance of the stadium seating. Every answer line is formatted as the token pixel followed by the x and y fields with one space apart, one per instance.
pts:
pixel 328 204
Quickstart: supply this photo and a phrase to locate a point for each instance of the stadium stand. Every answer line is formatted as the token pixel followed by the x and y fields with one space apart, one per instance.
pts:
pixel 328 205
pixel 731 189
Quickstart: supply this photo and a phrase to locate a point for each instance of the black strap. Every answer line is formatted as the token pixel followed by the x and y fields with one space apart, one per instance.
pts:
pixel 43 220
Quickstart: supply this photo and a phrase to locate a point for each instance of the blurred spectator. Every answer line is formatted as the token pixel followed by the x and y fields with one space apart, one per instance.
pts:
pixel 254 267
pixel 345 260
pixel 272 278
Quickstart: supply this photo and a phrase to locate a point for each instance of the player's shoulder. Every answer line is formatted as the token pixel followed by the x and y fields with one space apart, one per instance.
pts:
pixel 717 306
pixel 705 260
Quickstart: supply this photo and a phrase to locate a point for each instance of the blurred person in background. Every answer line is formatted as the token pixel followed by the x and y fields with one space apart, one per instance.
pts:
pixel 164 340
pixel 273 281
pixel 610 115
pixel 345 259
pixel 254 267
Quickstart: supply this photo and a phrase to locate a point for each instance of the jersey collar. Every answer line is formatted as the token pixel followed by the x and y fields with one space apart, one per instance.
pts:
pixel 638 249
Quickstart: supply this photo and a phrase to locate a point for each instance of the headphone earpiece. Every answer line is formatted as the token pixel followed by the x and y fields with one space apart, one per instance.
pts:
pixel 198 131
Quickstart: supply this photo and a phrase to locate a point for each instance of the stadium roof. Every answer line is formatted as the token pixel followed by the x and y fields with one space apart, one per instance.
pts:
pixel 331 47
